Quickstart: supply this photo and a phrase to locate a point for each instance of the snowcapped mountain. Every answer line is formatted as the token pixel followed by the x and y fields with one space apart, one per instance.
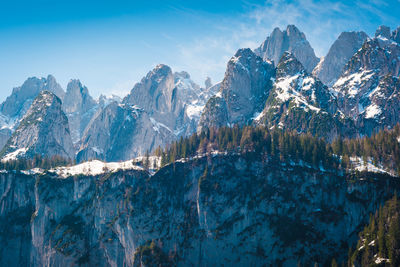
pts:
pixel 367 90
pixel 273 85
pixel 242 93
pixel 290 40
pixel 161 108
pixel 42 131
pixel 330 67
pixel 17 104
pixel 77 104
pixel 299 101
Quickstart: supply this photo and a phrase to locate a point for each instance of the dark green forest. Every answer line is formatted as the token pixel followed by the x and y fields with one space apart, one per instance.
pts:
pixel 379 242
pixel 382 148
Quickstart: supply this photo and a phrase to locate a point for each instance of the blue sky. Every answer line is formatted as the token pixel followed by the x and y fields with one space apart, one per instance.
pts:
pixel 111 45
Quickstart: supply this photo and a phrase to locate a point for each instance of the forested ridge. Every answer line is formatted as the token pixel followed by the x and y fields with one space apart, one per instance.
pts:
pixel 38 161
pixel 382 148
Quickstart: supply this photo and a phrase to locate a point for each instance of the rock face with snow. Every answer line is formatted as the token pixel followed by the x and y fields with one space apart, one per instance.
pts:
pixel 121 132
pixel 367 90
pixel 330 67
pixel 161 108
pixel 17 104
pixel 22 97
pixel 42 131
pixel 242 93
pixel 290 40
pixel 301 102
pixel 79 107
pixel 179 215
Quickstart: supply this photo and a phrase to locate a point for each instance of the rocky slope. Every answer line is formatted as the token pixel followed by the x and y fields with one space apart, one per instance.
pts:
pixel 299 101
pixel 21 98
pixel 362 100
pixel 120 132
pixel 367 90
pixel 77 104
pixel 42 131
pixel 242 93
pixel 330 67
pixel 230 210
pixel 161 108
pixel 290 40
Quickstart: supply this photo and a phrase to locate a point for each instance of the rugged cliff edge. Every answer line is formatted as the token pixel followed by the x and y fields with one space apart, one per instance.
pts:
pixel 237 210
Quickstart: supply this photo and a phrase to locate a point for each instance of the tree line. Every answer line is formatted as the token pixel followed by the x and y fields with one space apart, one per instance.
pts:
pixel 38 161
pixel 382 148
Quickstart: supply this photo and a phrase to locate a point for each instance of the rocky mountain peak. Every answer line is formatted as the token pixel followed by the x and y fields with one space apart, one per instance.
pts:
pixel 364 81
pixel 159 73
pixel 292 40
pixel 331 66
pixel 208 83
pixel 43 131
pixel 77 97
pixel 154 92
pixel 52 86
pixel 383 31
pixel 294 32
pixel 243 91
pixel 21 97
pixel 396 35
pixel 288 66
pixel 162 107
pixel 79 107
pixel 380 57
pixel 182 75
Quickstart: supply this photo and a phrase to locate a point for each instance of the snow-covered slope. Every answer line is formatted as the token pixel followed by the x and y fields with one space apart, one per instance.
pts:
pixel 299 101
pixel 368 89
pixel 95 167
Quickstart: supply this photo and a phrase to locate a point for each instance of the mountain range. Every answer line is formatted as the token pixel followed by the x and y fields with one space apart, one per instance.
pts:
pixel 282 163
pixel 352 91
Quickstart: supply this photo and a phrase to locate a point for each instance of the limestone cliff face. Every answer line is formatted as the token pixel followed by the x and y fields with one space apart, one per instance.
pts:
pixel 43 131
pixel 330 67
pixel 242 93
pixel 121 132
pixel 289 40
pixel 22 97
pixel 161 108
pixel 368 90
pixel 79 107
pixel 231 210
pixel 299 101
